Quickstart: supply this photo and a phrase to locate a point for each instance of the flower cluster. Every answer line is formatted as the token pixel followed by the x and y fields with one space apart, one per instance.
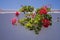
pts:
pixel 34 19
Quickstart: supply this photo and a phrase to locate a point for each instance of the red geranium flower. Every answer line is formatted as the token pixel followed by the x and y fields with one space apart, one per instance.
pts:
pixel 17 13
pixel 14 20
pixel 43 10
pixel 46 22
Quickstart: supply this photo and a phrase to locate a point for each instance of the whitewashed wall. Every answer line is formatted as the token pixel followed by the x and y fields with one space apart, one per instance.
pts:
pixel 10 32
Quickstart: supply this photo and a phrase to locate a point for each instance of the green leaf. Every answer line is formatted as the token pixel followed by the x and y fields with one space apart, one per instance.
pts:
pixel 31 21
pixel 48 16
pixel 50 23
pixel 28 25
pixel 30 8
pixel 48 9
pixel 38 28
pixel 26 9
pixel 35 21
pixel 36 31
pixel 32 28
pixel 37 10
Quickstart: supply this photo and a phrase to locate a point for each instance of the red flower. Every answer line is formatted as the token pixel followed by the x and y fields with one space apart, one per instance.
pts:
pixel 14 20
pixel 43 10
pixel 46 22
pixel 17 13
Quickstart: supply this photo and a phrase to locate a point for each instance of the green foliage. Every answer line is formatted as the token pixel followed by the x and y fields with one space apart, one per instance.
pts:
pixel 26 9
pixel 36 22
pixel 47 16
pixel 37 10
pixel 48 9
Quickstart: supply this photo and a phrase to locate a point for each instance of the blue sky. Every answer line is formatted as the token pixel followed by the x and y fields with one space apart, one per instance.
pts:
pixel 16 4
